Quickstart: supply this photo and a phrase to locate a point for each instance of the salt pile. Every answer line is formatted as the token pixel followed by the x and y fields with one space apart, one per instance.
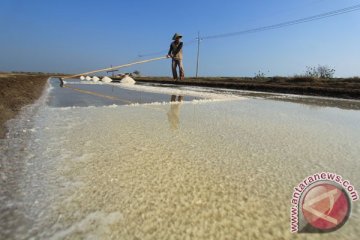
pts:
pixel 95 79
pixel 82 78
pixel 127 80
pixel 88 78
pixel 106 79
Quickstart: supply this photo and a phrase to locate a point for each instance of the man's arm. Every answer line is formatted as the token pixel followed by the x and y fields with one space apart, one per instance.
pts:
pixel 170 50
pixel 178 49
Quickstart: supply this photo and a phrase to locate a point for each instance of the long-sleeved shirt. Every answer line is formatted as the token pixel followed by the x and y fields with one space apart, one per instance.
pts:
pixel 176 50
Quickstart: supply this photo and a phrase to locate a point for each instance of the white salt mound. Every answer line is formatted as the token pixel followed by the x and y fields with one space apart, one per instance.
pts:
pixel 95 79
pixel 88 78
pixel 127 80
pixel 82 78
pixel 106 79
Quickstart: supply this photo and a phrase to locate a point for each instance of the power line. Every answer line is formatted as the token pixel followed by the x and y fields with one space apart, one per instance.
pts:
pixel 266 28
pixel 288 23
pixel 261 29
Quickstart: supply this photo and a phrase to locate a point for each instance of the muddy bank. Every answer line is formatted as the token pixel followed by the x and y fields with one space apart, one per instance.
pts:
pixel 16 91
pixel 348 88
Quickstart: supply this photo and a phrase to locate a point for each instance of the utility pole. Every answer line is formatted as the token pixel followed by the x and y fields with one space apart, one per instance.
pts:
pixel 112 71
pixel 198 55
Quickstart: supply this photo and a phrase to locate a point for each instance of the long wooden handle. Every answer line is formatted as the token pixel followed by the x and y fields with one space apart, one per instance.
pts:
pixel 113 68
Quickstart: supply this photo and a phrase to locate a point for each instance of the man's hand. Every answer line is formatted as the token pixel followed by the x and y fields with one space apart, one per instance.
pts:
pixel 168 56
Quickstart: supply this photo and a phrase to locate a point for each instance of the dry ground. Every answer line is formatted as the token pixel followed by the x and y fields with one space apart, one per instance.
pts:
pixel 16 91
pixel 337 87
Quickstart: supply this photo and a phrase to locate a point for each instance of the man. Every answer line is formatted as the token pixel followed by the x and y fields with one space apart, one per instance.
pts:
pixel 175 52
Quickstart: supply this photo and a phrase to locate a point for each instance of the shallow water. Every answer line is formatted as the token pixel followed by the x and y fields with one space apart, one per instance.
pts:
pixel 196 169
pixel 82 94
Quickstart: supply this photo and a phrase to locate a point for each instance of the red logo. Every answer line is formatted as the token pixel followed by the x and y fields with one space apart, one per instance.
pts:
pixel 326 207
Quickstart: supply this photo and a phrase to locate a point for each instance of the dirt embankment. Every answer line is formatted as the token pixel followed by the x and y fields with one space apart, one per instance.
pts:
pixel 339 87
pixel 16 91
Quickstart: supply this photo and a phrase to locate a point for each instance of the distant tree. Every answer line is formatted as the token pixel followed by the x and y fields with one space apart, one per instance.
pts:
pixel 260 75
pixel 136 73
pixel 324 72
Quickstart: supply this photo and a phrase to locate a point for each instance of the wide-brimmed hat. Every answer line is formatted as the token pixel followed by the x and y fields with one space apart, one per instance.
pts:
pixel 177 35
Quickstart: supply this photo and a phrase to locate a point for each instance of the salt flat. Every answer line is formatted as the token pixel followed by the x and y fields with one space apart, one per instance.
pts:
pixel 216 165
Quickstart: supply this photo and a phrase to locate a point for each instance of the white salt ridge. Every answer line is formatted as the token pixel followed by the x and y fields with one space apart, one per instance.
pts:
pixel 128 80
pixel 106 80
pixel 195 101
pixel 164 103
pixel 200 92
pixel 88 78
pixel 82 78
pixel 181 92
pixel 95 79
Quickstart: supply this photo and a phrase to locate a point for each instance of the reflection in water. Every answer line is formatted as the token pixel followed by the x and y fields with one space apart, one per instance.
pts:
pixel 174 111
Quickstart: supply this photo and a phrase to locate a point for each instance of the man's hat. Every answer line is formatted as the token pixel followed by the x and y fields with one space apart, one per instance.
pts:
pixel 177 35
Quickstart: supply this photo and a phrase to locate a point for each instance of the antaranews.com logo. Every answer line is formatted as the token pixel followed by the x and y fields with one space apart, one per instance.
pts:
pixel 321 203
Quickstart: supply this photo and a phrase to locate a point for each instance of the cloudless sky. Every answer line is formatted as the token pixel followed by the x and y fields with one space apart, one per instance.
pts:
pixel 74 36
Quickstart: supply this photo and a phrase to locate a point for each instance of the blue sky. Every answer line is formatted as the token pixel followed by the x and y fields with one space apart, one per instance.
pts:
pixel 77 36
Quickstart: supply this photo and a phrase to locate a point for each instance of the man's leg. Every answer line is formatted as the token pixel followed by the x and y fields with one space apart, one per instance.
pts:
pixel 173 67
pixel 181 70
